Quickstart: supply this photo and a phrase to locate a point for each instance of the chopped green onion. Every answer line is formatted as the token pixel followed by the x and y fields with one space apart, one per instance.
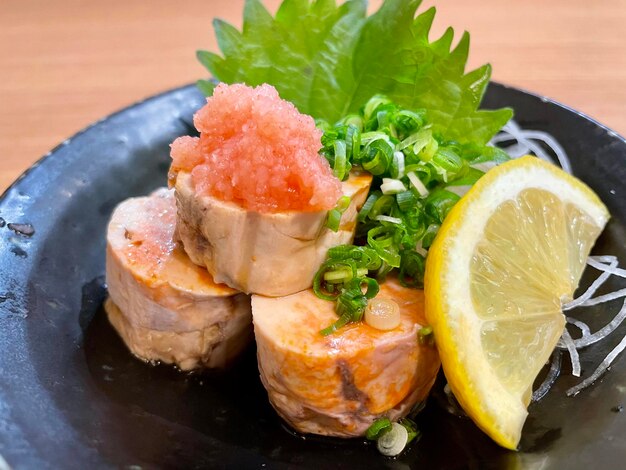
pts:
pixel 425 335
pixel 367 207
pixel 439 203
pixel 343 321
pixel 381 239
pixel 429 236
pixel 417 184
pixel 392 186
pixel 382 206
pixel 406 200
pixel 393 442
pixel 343 203
pixel 352 120
pixel 377 157
pixel 397 165
pixel 340 168
pixel 411 428
pixel 412 266
pixel 407 120
pixel 372 105
pixel 449 161
pixel 427 152
pixel 391 220
pixel 368 137
pixel 406 205
pixel 377 429
pixel 333 218
pixel 371 287
pixel 343 275
pixel 353 142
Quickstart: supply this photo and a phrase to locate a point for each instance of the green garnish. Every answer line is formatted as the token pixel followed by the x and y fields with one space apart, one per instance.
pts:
pixel 334 215
pixel 343 278
pixel 411 428
pixel 329 60
pixel 425 335
pixel 406 205
pixel 377 429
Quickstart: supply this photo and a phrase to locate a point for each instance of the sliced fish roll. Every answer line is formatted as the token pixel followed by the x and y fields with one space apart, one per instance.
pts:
pixel 337 385
pixel 272 254
pixel 254 192
pixel 165 307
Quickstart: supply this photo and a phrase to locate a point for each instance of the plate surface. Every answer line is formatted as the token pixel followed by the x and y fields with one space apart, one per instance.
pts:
pixel 71 396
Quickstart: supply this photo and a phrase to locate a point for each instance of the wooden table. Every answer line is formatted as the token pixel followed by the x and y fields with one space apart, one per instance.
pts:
pixel 65 64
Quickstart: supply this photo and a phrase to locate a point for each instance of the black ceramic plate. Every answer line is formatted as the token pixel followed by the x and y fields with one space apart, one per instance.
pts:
pixel 71 396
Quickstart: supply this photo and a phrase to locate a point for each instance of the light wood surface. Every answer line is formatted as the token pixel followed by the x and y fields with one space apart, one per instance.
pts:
pixel 66 63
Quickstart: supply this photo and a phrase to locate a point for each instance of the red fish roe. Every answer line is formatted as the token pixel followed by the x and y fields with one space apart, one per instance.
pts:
pixel 257 151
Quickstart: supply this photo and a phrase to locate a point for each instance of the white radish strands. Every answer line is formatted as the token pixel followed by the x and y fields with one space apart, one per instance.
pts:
pixel 593 287
pixel 603 367
pixel 573 353
pixel 553 373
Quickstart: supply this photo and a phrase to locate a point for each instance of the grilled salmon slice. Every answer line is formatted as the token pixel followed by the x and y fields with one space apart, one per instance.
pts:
pixel 165 307
pixel 337 385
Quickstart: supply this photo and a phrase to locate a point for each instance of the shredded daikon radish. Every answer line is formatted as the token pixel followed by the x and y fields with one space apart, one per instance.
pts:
pixel 603 367
pixel 603 332
pixel 525 142
pixel 604 298
pixel 553 144
pixel 610 269
pixel 512 131
pixel 603 258
pixel 582 326
pixel 573 353
pixel 594 286
pixel 553 374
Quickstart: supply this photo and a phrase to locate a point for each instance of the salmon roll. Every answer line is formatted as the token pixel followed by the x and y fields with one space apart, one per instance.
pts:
pixel 253 192
pixel 338 385
pixel 165 307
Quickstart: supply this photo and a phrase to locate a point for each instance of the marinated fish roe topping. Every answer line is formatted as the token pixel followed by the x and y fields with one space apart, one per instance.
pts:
pixel 257 151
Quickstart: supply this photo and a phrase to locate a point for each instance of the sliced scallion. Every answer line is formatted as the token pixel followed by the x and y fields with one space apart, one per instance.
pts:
pixel 392 186
pixel 407 202
pixel 377 428
pixel 393 442
pixel 417 184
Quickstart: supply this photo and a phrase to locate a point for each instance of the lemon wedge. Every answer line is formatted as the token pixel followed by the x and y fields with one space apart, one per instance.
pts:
pixel 506 258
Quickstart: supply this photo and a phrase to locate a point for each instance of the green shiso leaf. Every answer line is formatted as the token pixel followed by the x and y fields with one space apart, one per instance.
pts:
pixel 329 60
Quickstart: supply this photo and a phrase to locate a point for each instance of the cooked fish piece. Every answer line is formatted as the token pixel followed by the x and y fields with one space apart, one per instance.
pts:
pixel 272 254
pixel 337 385
pixel 165 307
